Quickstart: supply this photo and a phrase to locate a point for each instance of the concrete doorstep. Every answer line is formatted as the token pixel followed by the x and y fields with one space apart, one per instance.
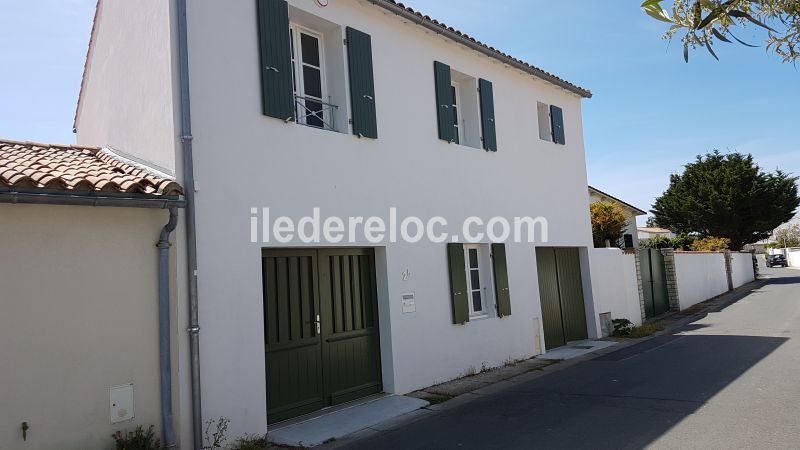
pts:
pixel 339 422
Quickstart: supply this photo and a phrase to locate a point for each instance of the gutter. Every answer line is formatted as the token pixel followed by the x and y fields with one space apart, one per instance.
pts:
pixel 451 33
pixel 164 344
pixel 191 238
pixel 57 197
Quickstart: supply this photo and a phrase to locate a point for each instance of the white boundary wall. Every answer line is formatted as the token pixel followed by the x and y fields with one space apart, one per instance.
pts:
pixel 701 276
pixel 742 268
pixel 793 257
pixel 614 285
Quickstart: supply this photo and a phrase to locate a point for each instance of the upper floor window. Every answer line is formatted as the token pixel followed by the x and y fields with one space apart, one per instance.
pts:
pixel 308 79
pixel 551 123
pixel 465 108
pixel 305 70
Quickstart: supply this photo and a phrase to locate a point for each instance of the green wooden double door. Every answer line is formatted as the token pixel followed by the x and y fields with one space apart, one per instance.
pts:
pixel 321 329
pixel 561 294
pixel 654 282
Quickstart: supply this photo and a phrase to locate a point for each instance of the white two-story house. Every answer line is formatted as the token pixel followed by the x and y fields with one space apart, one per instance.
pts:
pixel 361 109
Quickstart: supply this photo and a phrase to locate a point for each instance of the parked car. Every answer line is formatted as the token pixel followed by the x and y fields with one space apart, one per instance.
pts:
pixel 777 260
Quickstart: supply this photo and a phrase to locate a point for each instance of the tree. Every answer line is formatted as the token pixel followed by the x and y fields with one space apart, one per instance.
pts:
pixel 710 244
pixel 727 196
pixel 706 22
pixel 608 223
pixel 651 222
pixel 788 236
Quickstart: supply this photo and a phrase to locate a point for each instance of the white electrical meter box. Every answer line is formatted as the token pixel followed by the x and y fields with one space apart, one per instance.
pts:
pixel 121 401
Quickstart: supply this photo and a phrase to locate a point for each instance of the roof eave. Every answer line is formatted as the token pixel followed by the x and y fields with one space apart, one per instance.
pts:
pixel 451 33
pixel 88 198
pixel 598 191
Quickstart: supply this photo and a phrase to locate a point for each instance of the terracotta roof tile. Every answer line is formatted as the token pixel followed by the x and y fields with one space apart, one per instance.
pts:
pixel 32 165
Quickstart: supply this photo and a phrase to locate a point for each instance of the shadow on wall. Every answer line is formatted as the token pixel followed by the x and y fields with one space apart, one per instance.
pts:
pixel 635 394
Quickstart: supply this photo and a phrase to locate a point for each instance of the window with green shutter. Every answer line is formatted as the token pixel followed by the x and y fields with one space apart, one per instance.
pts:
pixel 500 269
pixel 458 282
pixel 362 88
pixel 557 121
pixel 277 99
pixel 444 101
pixel 487 115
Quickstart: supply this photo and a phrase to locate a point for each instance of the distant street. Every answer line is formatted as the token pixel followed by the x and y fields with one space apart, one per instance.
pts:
pixel 728 380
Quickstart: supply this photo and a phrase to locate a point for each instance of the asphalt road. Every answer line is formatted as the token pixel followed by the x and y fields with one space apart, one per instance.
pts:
pixel 728 380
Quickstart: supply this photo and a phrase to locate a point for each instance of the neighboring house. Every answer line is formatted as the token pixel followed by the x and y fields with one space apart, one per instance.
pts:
pixel 630 238
pixel 353 108
pixel 652 232
pixel 80 290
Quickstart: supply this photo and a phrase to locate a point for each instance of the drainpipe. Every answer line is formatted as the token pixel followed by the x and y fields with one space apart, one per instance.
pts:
pixel 164 356
pixel 191 240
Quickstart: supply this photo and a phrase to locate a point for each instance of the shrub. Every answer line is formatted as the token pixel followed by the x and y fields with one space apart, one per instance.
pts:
pixel 645 330
pixel 656 242
pixel 249 443
pixel 138 439
pixel 710 244
pixel 622 327
pixel 684 241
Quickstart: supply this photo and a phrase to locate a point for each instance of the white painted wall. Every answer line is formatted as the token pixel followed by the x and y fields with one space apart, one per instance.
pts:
pixel 614 284
pixel 794 257
pixel 701 276
pixel 79 315
pixel 742 269
pixel 291 168
pixel 127 99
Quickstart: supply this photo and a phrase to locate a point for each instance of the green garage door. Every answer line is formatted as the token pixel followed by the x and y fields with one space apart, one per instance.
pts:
pixel 321 329
pixel 561 294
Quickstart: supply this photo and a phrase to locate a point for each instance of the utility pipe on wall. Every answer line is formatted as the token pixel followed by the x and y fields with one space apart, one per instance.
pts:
pixel 191 239
pixel 164 345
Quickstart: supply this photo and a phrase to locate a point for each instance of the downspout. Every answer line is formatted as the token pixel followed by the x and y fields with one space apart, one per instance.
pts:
pixel 164 345
pixel 191 239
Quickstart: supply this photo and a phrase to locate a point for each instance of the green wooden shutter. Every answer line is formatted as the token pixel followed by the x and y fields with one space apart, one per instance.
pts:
pixel 487 115
pixel 458 282
pixel 277 96
pixel 501 279
pixel 444 101
pixel 362 83
pixel 557 124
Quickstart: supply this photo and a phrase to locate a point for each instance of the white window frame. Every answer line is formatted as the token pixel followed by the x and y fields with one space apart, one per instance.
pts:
pixel 297 64
pixel 485 277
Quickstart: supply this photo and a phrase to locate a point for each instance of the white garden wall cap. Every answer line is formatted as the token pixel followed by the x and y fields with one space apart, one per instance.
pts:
pixel 461 37
pixel 77 168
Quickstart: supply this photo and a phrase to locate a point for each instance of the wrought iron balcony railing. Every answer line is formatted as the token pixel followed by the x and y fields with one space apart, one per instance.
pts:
pixel 315 113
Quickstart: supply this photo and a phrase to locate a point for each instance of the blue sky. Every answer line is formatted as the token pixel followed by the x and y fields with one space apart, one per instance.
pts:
pixel 651 113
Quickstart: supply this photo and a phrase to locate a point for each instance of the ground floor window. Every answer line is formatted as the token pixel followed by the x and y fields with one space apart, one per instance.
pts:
pixel 478 265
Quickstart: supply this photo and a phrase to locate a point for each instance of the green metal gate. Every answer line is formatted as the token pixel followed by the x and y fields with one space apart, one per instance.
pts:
pixel 321 329
pixel 654 282
pixel 561 293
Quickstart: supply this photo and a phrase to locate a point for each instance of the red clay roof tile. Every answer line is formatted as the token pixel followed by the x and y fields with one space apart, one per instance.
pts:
pixel 31 165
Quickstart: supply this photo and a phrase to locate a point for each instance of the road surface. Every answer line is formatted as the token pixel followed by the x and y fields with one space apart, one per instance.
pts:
pixel 728 380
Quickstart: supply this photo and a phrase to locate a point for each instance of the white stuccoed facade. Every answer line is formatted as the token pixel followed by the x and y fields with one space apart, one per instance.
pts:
pixel 245 160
